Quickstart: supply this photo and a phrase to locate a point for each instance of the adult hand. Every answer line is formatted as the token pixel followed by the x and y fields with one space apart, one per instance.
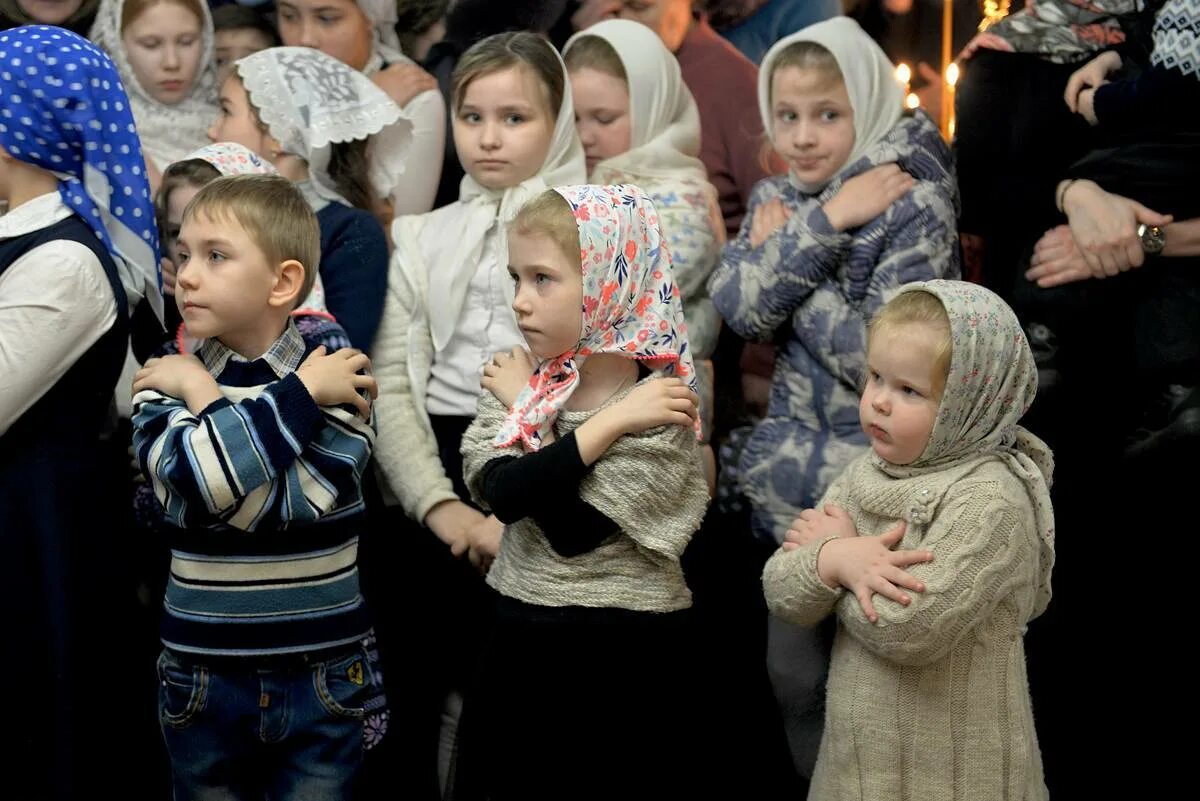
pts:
pixel 1105 227
pixel 451 521
pixel 403 82
pixel 1057 259
pixel 867 195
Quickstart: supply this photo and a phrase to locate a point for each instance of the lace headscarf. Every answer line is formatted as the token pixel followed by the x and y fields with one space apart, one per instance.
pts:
pixel 309 100
pixel 168 131
pixel 665 137
pixel 992 382
pixel 869 76
pixel 64 111
pixel 631 306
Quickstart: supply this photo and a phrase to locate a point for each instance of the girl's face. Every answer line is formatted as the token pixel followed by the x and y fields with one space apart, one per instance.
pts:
pixel 236 121
pixel 177 201
pixel 50 12
pixel 548 298
pixel 813 123
pixel 338 28
pixel 233 43
pixel 164 46
pixel 900 401
pixel 601 114
pixel 503 127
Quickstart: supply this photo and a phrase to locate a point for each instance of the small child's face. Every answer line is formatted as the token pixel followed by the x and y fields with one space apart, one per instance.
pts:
pixel 900 401
pixel 223 284
pixel 236 121
pixel 503 128
pixel 548 298
pixel 601 114
pixel 812 123
pixel 176 202
pixel 233 43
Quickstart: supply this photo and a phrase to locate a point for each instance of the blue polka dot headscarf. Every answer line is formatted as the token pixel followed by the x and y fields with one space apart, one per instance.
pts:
pixel 63 109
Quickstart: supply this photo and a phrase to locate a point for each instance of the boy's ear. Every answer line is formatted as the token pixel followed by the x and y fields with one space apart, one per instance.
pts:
pixel 289 281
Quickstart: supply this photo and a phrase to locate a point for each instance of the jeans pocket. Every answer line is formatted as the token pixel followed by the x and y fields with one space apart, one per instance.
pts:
pixel 182 691
pixel 345 684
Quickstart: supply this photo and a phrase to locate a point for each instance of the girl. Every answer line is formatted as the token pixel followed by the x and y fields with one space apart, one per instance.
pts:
pixel 338 137
pixel 867 206
pixel 163 50
pixel 638 124
pixel 78 250
pixel 927 694
pixel 362 35
pixel 594 469
pixel 448 310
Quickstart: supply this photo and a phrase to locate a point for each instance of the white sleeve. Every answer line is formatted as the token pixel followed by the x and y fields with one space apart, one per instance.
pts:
pixel 416 188
pixel 55 303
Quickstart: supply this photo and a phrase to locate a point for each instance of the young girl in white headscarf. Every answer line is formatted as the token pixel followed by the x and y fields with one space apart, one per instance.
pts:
pixel 591 460
pixel 340 138
pixel 163 50
pixel 362 35
pixel 927 695
pixel 867 206
pixel 447 312
pixel 638 124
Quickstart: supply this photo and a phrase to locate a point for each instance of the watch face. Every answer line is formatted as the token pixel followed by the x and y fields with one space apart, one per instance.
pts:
pixel 1153 238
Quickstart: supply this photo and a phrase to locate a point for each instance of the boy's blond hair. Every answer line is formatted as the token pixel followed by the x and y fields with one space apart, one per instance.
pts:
pixel 550 215
pixel 921 308
pixel 272 212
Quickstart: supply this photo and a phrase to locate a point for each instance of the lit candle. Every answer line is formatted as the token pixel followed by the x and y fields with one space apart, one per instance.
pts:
pixel 951 80
pixel 904 76
pixel 947 46
pixel 911 100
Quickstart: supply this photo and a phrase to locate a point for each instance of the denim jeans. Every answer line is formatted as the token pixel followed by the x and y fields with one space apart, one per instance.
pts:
pixel 283 729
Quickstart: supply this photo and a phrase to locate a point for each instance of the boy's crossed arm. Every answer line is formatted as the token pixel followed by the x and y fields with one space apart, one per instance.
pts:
pixel 202 451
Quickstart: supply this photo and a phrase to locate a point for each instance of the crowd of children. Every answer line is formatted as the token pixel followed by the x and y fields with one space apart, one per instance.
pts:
pixel 428 477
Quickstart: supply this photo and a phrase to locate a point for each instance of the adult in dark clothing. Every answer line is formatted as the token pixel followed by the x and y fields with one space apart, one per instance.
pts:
pixel 74 15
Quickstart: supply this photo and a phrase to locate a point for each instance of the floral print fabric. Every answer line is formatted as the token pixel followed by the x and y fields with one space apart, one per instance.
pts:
pixel 631 305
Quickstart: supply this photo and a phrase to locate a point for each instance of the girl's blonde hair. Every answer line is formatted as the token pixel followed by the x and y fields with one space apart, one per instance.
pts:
pixel 550 215
pixel 504 50
pixel 920 308
pixel 593 52
pixel 133 8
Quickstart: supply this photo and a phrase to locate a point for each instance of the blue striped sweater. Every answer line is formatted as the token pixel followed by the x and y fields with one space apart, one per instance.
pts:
pixel 262 492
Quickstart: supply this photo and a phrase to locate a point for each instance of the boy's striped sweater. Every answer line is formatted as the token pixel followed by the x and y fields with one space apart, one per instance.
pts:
pixel 263 494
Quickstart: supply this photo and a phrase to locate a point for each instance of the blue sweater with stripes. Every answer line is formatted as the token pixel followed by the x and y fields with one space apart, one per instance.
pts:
pixel 262 493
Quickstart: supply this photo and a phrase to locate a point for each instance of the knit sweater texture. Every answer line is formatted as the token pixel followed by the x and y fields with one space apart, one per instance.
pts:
pixel 932 702
pixel 650 484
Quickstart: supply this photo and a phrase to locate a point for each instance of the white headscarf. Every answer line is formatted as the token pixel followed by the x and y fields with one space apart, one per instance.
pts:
pixel 483 209
pixel 870 80
pixel 168 132
pixel 309 100
pixel 385 42
pixel 665 137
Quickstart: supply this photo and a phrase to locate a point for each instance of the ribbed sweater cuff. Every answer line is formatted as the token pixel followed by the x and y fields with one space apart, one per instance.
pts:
pixel 297 409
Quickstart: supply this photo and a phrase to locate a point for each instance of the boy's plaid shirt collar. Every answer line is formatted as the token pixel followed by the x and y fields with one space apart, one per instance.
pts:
pixel 283 357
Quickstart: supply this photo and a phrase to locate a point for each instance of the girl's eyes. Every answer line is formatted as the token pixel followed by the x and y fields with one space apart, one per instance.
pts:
pixel 514 119
pixel 787 116
pixel 326 19
pixel 829 116
pixel 541 278
pixel 469 116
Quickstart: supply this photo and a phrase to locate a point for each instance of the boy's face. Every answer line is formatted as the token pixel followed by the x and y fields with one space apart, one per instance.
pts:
pixel 233 43
pixel 224 284
pixel 901 398
pixel 548 294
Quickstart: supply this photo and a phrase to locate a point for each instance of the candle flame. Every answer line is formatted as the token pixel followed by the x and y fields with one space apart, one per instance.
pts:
pixel 903 73
pixel 912 101
pixel 952 74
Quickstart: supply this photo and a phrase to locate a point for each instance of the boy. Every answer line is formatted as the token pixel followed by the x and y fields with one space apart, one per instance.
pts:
pixel 256 447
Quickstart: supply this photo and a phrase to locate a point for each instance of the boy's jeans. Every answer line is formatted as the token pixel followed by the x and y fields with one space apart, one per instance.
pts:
pixel 285 729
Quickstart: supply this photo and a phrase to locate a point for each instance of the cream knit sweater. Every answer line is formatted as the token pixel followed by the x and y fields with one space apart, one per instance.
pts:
pixel 650 484
pixel 932 702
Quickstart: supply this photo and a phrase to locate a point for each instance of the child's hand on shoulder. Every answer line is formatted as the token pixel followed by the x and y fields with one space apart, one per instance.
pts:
pixel 659 402
pixel 334 379
pixel 867 195
pixel 179 375
pixel 868 565
pixel 507 374
pixel 814 524
pixel 768 218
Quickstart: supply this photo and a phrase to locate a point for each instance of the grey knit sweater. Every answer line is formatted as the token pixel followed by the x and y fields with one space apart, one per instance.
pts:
pixel 650 484
pixel 932 703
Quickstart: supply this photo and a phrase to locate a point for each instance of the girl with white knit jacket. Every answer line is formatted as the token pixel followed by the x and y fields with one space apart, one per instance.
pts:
pixel 591 460
pixel 927 695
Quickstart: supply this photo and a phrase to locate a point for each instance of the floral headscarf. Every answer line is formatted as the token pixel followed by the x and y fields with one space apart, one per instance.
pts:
pixel 630 306
pixel 992 382
pixel 168 131
pixel 230 158
pixel 64 110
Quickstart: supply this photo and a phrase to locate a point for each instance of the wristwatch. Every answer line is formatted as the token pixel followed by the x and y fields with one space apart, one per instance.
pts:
pixel 1153 238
